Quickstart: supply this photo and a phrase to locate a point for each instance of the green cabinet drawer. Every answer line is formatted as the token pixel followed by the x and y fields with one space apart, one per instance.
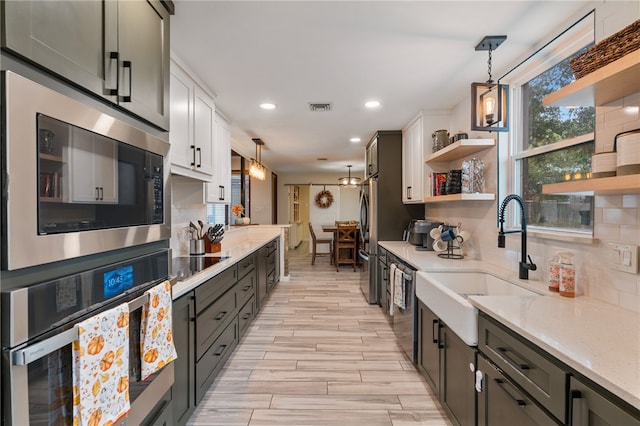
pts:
pixel 210 290
pixel 246 265
pixel 590 407
pixel 246 315
pixel 208 367
pixel 211 322
pixel 527 367
pixel 245 288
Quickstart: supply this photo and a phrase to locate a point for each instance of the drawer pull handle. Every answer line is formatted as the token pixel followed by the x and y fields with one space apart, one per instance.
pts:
pixel 246 316
pixel 521 366
pixel 501 383
pixel 575 394
pixel 245 288
pixel 220 350
pixel 435 326
pixel 221 315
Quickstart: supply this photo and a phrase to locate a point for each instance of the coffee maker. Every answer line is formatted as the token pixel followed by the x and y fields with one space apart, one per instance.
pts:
pixel 418 233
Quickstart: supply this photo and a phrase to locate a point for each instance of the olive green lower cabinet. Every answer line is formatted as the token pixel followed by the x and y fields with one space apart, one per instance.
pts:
pixel 519 383
pixel 183 391
pixel 209 322
pixel 449 365
pixel 508 380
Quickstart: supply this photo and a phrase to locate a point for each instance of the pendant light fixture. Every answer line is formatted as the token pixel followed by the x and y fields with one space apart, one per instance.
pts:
pixel 256 169
pixel 489 100
pixel 349 181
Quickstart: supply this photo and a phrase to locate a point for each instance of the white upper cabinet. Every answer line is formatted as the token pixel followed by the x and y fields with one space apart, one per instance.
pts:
pixel 219 189
pixel 413 163
pixel 192 127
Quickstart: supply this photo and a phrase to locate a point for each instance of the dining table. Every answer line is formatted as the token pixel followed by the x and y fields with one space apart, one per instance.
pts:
pixel 333 228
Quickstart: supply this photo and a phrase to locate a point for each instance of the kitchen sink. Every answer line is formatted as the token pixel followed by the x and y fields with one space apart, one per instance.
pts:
pixel 446 293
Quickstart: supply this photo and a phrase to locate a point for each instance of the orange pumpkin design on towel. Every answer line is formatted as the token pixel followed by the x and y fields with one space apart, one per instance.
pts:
pixel 107 360
pixel 155 301
pixel 95 345
pixel 123 384
pixel 151 355
pixel 123 319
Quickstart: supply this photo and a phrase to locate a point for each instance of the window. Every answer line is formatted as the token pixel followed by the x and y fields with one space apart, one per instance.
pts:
pixel 552 143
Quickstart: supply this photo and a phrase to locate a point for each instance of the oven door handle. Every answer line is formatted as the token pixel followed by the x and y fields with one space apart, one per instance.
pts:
pixel 36 351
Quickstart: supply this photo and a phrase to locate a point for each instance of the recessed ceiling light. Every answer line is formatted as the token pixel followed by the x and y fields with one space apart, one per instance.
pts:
pixel 372 104
pixel 355 140
pixel 268 105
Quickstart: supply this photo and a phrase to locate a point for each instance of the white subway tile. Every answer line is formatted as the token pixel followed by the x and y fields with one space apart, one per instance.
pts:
pixel 618 117
pixel 606 232
pixel 631 201
pixel 608 201
pixel 605 294
pixel 619 216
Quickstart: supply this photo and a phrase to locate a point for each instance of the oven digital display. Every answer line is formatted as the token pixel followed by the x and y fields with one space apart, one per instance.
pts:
pixel 117 281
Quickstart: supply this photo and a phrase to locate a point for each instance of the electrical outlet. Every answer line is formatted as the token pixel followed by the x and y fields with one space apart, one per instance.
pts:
pixel 623 257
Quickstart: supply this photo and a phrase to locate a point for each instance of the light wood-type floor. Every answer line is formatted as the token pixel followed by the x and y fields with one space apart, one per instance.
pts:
pixel 318 354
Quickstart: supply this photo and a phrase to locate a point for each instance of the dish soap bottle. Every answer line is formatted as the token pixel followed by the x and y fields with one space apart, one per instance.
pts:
pixel 554 272
pixel 567 275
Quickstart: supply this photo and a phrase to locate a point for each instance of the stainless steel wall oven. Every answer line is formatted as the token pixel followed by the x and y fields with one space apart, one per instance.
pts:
pixel 75 181
pixel 38 332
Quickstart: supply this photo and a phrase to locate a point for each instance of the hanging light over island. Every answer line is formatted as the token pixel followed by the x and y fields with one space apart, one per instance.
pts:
pixel 256 169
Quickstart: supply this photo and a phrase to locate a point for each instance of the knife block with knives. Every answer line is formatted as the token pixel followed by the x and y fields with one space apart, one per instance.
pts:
pixel 213 238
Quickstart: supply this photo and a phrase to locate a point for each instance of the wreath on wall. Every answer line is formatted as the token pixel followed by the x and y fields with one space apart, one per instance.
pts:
pixel 324 199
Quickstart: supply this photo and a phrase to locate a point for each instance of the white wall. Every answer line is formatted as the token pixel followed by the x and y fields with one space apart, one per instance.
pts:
pixel 616 217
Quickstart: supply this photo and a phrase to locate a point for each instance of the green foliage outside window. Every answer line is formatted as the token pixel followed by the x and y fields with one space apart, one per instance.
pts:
pixel 545 125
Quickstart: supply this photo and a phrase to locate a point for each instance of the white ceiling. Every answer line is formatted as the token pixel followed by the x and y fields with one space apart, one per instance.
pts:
pixel 410 55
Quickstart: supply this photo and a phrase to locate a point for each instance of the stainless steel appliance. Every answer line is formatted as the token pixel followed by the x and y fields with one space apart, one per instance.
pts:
pixel 75 181
pixel 383 216
pixel 419 233
pixel 405 320
pixel 38 330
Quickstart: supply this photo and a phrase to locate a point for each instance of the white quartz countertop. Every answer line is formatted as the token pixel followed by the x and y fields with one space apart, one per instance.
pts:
pixel 596 339
pixel 237 249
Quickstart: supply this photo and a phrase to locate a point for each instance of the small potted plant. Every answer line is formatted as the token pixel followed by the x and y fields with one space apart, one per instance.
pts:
pixel 238 211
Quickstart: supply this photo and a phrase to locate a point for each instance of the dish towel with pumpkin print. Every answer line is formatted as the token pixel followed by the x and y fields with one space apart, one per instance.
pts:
pixel 101 368
pixel 156 335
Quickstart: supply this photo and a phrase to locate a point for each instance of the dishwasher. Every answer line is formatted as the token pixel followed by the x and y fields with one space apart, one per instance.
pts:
pixel 405 319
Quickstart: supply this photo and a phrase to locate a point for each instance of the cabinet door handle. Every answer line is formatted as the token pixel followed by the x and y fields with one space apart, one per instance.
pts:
pixel 97 193
pixel 113 56
pixel 220 350
pixel 435 334
pixel 501 383
pixel 127 64
pixel 220 192
pixel 520 365
pixel 408 192
pixel 200 157
pixel 575 394
pixel 221 315
pixel 193 147
pixel 101 193
pixel 246 316
pixel 245 288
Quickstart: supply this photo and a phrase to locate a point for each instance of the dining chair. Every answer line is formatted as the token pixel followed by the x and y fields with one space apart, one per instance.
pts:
pixel 345 249
pixel 315 241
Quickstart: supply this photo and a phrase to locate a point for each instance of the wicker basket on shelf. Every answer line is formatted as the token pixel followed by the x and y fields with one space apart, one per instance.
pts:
pixel 608 50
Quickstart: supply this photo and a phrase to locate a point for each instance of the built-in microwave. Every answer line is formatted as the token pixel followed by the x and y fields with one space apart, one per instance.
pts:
pixel 75 181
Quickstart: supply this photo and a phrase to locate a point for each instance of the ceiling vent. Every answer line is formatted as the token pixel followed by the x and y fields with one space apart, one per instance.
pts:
pixel 318 107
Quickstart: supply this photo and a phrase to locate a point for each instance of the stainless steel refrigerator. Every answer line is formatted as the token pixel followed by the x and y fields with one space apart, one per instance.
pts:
pixel 383 216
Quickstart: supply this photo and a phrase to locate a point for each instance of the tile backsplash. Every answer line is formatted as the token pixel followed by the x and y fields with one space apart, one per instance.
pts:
pixel 616 219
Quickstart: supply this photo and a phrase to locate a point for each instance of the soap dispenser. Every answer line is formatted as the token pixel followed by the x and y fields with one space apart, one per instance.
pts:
pixel 554 272
pixel 567 275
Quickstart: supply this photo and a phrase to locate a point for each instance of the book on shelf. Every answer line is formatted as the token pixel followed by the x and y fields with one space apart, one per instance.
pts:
pixel 50 184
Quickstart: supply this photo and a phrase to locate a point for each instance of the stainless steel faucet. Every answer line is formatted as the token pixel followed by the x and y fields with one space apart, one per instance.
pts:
pixel 524 266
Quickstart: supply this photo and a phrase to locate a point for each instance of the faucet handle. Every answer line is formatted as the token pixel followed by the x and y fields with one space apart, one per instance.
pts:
pixel 532 266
